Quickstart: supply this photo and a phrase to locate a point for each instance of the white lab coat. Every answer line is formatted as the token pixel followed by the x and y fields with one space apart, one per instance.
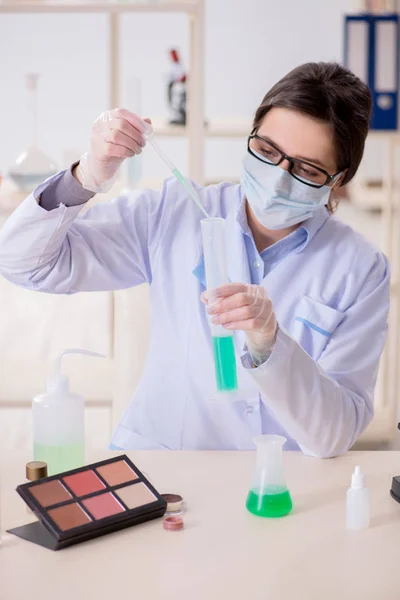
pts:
pixel 331 301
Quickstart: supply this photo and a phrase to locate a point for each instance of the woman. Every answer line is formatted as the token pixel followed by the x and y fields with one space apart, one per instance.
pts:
pixel 310 296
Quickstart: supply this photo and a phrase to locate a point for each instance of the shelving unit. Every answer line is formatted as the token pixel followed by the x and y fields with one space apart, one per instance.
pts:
pixel 213 129
pixel 373 197
pixel 386 198
pixel 196 131
pixel 194 9
pixel 55 6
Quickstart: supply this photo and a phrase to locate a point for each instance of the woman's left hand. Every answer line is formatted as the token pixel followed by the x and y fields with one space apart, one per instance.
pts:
pixel 248 308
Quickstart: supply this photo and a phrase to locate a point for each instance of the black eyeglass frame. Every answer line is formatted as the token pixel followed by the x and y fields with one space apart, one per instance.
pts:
pixel 292 162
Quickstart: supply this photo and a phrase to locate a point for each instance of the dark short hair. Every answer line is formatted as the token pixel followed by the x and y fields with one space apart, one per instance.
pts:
pixel 331 93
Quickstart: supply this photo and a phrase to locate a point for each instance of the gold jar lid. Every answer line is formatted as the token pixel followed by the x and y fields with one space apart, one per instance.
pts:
pixel 36 469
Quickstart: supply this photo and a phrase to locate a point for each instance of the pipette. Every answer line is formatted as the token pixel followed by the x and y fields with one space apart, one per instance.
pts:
pixel 186 184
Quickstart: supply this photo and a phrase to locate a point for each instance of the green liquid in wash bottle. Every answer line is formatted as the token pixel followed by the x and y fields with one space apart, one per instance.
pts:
pixel 60 458
pixel 59 423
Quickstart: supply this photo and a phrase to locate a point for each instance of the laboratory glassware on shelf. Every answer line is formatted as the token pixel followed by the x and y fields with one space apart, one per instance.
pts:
pixel 177 90
pixel 32 167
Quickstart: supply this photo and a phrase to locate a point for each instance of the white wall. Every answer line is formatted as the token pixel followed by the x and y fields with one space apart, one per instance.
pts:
pixel 249 45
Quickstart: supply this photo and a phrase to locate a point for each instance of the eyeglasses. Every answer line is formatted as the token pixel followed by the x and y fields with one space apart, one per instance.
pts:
pixel 299 169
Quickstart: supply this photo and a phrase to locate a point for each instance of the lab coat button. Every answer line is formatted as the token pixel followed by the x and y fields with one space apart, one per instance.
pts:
pixel 249 409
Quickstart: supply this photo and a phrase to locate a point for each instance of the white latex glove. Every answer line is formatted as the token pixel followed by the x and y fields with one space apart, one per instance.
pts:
pixel 248 308
pixel 116 135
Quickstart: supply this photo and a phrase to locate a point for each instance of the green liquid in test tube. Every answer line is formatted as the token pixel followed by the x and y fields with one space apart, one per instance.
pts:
pixel 213 235
pixel 225 363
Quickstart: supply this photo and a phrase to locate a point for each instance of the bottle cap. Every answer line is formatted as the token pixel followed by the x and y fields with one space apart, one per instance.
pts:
pixel 358 479
pixel 173 523
pixel 174 502
pixel 36 469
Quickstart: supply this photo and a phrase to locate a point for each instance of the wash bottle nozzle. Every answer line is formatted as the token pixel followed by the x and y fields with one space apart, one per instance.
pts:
pixel 59 381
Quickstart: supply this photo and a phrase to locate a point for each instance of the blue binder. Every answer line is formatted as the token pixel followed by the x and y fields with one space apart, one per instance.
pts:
pixel 371 51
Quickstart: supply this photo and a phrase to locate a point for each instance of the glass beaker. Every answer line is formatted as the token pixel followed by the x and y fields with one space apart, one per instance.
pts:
pixel 269 495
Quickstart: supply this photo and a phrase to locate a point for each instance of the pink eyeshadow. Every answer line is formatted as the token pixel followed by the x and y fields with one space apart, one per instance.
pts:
pixel 103 505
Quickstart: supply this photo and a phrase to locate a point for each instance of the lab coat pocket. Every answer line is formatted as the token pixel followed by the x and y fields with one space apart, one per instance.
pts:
pixel 314 324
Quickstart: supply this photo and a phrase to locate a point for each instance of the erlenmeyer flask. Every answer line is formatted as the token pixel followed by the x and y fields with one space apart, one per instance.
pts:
pixel 269 495
pixel 33 166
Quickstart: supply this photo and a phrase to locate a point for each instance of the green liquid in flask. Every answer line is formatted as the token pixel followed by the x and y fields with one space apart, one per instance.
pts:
pixel 60 458
pixel 275 504
pixel 225 363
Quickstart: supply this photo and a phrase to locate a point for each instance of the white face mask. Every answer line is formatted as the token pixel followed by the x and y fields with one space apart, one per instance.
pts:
pixel 276 198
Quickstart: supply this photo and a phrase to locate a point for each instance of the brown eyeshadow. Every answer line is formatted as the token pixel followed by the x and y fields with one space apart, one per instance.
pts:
pixel 49 493
pixel 69 516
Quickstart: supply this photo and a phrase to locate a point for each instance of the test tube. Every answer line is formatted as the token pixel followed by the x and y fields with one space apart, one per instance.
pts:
pixel 215 261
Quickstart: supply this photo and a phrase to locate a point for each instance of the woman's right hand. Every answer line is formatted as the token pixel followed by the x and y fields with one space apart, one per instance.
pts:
pixel 116 135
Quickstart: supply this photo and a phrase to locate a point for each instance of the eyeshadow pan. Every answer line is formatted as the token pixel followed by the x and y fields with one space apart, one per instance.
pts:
pixel 85 482
pixel 69 516
pixel 103 505
pixel 49 493
pixel 117 472
pixel 136 495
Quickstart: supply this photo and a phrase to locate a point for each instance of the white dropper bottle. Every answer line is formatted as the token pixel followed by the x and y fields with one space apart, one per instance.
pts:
pixel 357 502
pixel 59 422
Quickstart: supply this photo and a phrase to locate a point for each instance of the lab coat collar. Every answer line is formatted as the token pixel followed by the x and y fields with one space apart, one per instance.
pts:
pixel 237 227
pixel 313 225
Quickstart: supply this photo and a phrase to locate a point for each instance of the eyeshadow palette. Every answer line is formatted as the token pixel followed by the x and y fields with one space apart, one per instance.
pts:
pixel 79 505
